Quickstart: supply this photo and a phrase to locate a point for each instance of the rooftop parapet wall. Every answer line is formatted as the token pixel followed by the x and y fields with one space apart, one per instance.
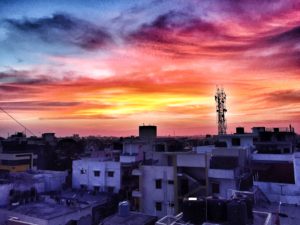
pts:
pixel 297 168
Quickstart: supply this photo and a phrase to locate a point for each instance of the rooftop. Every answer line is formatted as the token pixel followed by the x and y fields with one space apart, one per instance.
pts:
pixel 67 202
pixel 260 218
pixel 43 210
pixel 134 218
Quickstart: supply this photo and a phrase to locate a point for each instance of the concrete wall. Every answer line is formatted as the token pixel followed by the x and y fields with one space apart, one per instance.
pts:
pixel 90 180
pixel 53 180
pixel 296 160
pixel 245 140
pixel 4 196
pixel 273 157
pixel 225 185
pixel 223 174
pixel 151 195
pixel 191 160
pixel 5 189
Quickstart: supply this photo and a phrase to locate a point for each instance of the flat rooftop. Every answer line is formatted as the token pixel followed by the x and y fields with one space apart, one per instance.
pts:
pixel 134 218
pixel 50 208
pixel 43 210
pixel 86 197
pixel 260 218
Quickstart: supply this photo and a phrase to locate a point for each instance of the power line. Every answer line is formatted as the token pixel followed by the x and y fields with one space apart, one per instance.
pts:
pixel 26 129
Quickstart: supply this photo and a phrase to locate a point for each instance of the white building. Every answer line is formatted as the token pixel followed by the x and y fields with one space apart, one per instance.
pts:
pixel 97 175
pixel 169 177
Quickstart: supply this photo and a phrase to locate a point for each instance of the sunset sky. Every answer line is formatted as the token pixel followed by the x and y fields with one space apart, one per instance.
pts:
pixel 106 66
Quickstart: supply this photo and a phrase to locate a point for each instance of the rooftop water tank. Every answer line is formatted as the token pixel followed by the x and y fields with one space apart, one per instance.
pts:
pixel 216 210
pixel 194 210
pixel 237 212
pixel 124 208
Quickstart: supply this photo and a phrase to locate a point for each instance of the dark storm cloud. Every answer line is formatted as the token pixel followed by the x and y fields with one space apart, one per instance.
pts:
pixel 291 35
pixel 168 27
pixel 24 78
pixel 64 29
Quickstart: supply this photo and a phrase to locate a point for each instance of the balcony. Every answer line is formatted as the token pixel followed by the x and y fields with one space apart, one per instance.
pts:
pixel 136 193
pixel 223 173
pixel 128 158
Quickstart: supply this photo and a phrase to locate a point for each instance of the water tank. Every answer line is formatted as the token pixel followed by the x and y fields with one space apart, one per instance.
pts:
pixel 236 212
pixel 124 208
pixel 194 210
pixel 249 201
pixel 216 210
pixel 240 130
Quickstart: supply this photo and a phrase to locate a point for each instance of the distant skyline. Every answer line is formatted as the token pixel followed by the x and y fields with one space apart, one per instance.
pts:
pixel 104 67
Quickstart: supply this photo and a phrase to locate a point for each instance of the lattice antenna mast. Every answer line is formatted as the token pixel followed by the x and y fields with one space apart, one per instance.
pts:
pixel 220 99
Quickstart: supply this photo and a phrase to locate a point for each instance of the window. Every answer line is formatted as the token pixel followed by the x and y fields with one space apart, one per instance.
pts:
pixel 236 141
pixel 83 171
pixel 215 188
pixel 97 188
pixel 158 183
pixel 110 189
pixel 158 206
pixel 171 182
pixel 110 173
pixel 96 173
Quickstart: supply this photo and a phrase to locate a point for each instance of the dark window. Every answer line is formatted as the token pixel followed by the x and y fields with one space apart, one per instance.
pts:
pixel 158 183
pixel 35 162
pixel 215 188
pixel 83 186
pixel 110 189
pixel 96 173
pixel 97 188
pixel 236 141
pixel 83 171
pixel 110 173
pixel 158 206
pixel 170 181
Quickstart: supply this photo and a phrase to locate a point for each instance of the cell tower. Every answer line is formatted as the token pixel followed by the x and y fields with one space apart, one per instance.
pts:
pixel 220 99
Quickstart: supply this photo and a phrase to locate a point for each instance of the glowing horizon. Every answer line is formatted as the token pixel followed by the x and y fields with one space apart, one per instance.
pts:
pixel 106 67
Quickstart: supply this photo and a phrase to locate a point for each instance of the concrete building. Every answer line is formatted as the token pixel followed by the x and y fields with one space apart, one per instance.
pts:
pixel 94 174
pixel 18 162
pixel 275 140
pixel 169 176
pixel 238 139
pixel 277 176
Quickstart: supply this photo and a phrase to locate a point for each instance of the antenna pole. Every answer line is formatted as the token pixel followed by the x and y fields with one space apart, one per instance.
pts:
pixel 220 99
